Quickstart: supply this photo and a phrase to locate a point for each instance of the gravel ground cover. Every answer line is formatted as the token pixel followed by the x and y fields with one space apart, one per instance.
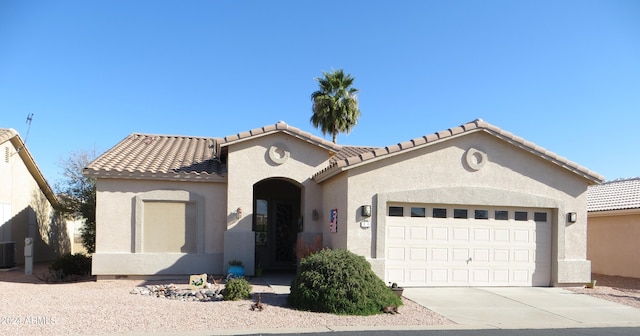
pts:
pixel 30 306
pixel 617 289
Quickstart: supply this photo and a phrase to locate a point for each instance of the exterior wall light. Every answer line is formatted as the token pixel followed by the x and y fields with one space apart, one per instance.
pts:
pixel 365 211
pixel 314 214
pixel 238 213
pixel 572 217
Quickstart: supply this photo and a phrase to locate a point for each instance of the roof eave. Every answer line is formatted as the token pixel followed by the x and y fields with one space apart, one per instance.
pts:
pixel 181 177
pixel 35 171
pixel 613 212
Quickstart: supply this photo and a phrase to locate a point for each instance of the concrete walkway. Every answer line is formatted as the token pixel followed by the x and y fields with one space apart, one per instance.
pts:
pixel 508 307
pixel 523 307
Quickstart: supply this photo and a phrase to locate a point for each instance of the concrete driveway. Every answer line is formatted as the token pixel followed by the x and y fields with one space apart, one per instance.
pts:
pixel 522 307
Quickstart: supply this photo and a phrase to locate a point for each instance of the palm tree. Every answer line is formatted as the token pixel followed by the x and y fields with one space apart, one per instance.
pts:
pixel 335 105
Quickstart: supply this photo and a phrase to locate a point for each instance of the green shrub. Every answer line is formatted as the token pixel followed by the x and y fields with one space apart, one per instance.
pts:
pixel 236 289
pixel 340 282
pixel 71 265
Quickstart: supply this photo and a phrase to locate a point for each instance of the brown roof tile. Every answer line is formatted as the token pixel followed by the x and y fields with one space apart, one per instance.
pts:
pixel 614 195
pixel 159 156
pixel 281 126
pixel 476 125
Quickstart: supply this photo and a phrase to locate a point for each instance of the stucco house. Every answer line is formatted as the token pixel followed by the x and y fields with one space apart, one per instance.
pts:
pixel 28 204
pixel 473 205
pixel 614 227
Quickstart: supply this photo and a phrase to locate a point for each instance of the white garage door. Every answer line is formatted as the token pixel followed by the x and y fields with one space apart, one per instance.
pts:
pixel 431 245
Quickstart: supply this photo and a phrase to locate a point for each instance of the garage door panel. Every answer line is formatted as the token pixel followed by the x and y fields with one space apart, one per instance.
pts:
pixel 430 251
pixel 481 235
pixel 501 235
pixel 418 233
pixel 418 254
pixel 396 232
pixel 461 255
pixel 440 233
pixel 501 276
pixel 481 275
pixel 521 276
pixel 521 236
pixel 460 234
pixel 439 254
pixel 480 255
pixel 396 253
pixel 460 275
pixel 418 275
pixel 521 256
pixel 439 276
pixel 396 275
pixel 501 255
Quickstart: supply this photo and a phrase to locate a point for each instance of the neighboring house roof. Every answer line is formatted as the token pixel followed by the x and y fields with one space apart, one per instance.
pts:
pixel 427 140
pixel 620 194
pixel 160 157
pixel 8 134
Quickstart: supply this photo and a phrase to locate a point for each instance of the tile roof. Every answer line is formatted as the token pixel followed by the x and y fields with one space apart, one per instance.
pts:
pixel 614 195
pixel 281 126
pixel 160 157
pixel 473 126
pixel 351 151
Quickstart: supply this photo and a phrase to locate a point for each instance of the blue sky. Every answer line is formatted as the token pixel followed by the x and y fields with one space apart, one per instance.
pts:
pixel 562 74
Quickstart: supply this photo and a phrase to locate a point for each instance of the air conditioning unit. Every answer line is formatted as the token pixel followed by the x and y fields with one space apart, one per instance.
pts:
pixel 7 254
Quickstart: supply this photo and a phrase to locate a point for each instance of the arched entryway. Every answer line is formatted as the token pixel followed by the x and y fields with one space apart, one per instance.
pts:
pixel 276 223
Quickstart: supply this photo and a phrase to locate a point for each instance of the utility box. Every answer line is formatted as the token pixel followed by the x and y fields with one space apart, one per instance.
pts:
pixel 28 247
pixel 28 256
pixel 7 254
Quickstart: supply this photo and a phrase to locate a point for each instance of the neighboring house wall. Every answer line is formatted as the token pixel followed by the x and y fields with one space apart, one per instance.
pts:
pixel 437 174
pixel 27 211
pixel 613 242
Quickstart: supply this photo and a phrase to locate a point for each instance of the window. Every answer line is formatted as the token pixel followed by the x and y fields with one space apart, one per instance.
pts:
pixel 418 212
pixel 169 227
pixel 460 213
pixel 540 216
pixel 481 214
pixel 396 211
pixel 439 213
pixel 261 216
pixel 521 215
pixel 502 215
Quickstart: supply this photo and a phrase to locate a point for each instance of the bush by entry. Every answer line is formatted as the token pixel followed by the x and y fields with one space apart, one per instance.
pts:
pixel 340 282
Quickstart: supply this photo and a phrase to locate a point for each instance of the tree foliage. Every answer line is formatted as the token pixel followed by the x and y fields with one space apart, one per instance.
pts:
pixel 77 193
pixel 335 104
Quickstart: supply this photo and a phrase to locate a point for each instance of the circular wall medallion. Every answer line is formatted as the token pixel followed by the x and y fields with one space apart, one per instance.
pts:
pixel 279 154
pixel 475 158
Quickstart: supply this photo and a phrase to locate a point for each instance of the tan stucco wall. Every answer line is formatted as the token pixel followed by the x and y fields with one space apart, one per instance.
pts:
pixel 248 163
pixel 31 213
pixel 439 174
pixel 613 243
pixel 116 215
pixel 335 196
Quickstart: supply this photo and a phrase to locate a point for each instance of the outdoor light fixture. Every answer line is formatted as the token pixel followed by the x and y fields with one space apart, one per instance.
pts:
pixel 572 217
pixel 365 211
pixel 314 214
pixel 238 213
